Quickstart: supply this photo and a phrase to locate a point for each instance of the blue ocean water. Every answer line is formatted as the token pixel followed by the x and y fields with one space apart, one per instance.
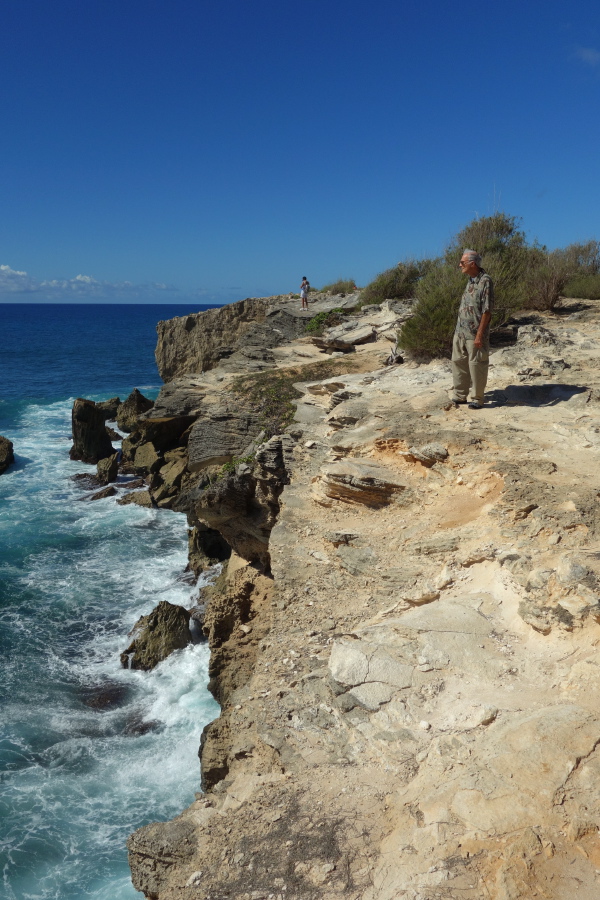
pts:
pixel 78 775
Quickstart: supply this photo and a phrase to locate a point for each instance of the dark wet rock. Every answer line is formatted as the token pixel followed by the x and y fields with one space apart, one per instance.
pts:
pixel 205 548
pixel 109 491
pixel 110 408
pixel 156 636
pixel 108 469
pixel 105 696
pixel 7 457
pixel 136 725
pixel 130 411
pixel 91 443
pixel 113 435
pixel 85 480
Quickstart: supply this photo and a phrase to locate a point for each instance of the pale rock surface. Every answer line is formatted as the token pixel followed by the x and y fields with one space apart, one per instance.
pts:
pixel 411 710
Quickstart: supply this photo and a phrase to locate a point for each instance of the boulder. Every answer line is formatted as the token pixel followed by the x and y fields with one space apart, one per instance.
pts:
pixel 146 458
pixel 7 456
pixel 140 498
pixel 129 412
pixel 110 408
pixel 108 469
pixel 91 443
pixel 156 636
pixel 109 491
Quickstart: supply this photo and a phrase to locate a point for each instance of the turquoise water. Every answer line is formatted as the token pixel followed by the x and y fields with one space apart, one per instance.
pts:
pixel 78 776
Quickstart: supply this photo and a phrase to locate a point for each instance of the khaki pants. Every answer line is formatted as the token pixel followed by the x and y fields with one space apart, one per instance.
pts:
pixel 469 368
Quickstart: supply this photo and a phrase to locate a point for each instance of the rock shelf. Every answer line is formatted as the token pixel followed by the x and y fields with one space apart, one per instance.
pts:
pixel 405 641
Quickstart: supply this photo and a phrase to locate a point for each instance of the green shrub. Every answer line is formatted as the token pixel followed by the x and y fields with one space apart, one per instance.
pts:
pixel 341 286
pixel 546 277
pixel 430 330
pixel 584 287
pixel 323 320
pixel 394 284
pixel 506 257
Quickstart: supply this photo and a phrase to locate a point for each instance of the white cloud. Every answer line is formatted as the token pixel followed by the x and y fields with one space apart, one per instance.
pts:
pixel 13 281
pixel 588 55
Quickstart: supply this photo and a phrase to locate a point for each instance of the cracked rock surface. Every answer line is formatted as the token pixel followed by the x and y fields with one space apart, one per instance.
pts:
pixel 410 689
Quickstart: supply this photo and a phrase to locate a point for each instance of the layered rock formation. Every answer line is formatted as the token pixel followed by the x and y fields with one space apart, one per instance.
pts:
pixel 404 641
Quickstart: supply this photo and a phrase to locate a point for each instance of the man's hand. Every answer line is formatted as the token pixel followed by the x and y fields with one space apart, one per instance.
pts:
pixel 483 324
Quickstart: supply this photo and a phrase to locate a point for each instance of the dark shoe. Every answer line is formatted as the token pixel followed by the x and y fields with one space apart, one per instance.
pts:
pixel 475 405
pixel 457 402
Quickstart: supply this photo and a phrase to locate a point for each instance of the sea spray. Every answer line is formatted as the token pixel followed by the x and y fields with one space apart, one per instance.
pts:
pixel 89 751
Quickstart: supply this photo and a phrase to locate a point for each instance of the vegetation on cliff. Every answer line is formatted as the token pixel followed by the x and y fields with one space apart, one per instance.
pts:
pixel 271 394
pixel 526 276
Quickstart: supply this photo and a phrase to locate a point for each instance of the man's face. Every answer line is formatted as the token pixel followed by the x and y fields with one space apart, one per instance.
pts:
pixel 468 266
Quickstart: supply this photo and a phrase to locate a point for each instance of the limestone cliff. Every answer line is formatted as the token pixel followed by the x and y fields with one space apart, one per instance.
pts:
pixel 405 640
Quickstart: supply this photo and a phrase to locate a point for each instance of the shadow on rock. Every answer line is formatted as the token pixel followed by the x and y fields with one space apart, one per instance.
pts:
pixel 537 394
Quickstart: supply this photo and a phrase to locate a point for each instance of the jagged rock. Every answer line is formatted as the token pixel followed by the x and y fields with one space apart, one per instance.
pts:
pixel 91 443
pixel 7 456
pixel 364 482
pixel 244 508
pixel 108 469
pixel 140 498
pixel 110 408
pixel 238 336
pixel 113 435
pixel 129 412
pixel 167 480
pixel 224 431
pixel 156 636
pixel 146 458
pixel 205 548
pixel 109 491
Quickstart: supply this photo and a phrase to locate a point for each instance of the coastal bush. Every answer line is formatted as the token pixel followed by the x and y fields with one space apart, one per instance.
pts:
pixel 341 286
pixel 271 394
pixel 397 283
pixel 506 256
pixel 546 278
pixel 323 320
pixel 584 287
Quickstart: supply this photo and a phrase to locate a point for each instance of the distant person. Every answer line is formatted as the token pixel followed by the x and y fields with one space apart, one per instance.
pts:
pixel 471 344
pixel 304 289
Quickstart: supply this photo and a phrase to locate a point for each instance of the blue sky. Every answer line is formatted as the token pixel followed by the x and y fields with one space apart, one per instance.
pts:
pixel 157 151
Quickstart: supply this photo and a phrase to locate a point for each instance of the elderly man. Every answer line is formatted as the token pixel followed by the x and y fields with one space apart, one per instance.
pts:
pixel 471 344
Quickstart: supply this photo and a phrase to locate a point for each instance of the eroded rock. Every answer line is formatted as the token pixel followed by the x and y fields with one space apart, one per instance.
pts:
pixel 156 636
pixel 91 443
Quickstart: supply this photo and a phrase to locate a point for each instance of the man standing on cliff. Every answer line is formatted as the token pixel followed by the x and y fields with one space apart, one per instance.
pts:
pixel 471 344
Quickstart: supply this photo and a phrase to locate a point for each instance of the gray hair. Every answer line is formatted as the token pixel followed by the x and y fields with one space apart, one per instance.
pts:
pixel 474 256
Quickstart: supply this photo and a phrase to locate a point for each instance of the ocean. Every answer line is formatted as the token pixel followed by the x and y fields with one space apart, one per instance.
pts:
pixel 88 751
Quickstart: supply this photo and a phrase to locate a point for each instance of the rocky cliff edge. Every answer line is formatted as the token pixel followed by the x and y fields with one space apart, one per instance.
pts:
pixel 405 640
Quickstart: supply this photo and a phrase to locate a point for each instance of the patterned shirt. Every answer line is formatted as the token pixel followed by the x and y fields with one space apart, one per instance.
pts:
pixel 477 299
